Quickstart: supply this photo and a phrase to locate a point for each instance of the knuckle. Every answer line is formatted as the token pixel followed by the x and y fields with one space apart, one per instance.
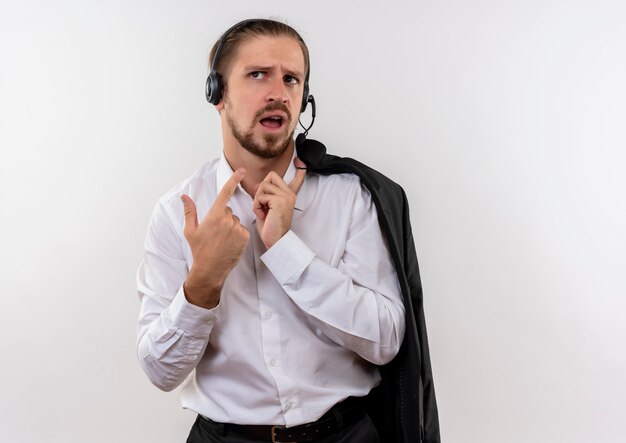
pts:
pixel 187 233
pixel 226 223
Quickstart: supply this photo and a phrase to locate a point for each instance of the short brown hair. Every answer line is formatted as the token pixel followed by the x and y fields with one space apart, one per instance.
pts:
pixel 252 28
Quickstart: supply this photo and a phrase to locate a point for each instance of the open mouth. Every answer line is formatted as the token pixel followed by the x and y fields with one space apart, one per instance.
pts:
pixel 272 122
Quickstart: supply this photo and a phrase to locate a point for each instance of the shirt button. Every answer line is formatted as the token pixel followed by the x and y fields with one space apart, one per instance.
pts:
pixel 267 315
pixel 288 406
pixel 272 362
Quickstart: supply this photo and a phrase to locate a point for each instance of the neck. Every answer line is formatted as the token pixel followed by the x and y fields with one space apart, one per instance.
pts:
pixel 257 167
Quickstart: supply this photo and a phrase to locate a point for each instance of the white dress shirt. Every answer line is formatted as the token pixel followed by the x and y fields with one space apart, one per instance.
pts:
pixel 299 327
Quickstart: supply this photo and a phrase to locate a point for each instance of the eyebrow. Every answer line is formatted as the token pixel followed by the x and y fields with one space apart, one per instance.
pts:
pixel 256 68
pixel 250 68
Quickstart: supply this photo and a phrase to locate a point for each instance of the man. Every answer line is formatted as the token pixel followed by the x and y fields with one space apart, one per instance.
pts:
pixel 271 293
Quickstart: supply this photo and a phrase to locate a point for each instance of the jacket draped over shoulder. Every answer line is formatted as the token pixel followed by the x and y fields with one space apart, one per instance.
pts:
pixel 403 406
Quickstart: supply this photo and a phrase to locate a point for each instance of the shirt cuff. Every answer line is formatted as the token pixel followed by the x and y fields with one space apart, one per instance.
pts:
pixel 191 318
pixel 288 258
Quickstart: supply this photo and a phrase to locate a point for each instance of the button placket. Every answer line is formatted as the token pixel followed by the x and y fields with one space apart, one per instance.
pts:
pixel 270 335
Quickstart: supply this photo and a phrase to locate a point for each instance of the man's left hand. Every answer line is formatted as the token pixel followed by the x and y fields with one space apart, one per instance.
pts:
pixel 273 204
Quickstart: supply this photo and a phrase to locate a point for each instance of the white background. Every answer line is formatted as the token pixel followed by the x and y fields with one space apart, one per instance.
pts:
pixel 504 121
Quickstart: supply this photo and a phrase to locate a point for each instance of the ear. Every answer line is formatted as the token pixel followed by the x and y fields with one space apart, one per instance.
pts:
pixel 220 105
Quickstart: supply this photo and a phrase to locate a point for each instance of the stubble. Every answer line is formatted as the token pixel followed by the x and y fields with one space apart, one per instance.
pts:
pixel 273 145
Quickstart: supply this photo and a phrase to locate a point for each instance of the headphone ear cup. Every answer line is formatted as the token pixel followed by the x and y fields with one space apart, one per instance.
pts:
pixel 213 88
pixel 305 97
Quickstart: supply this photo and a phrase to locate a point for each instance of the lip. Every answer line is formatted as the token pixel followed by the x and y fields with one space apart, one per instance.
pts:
pixel 280 114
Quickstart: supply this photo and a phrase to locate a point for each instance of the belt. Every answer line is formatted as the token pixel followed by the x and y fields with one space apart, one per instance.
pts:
pixel 342 414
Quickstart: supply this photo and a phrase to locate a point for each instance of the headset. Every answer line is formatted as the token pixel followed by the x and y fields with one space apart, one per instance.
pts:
pixel 215 85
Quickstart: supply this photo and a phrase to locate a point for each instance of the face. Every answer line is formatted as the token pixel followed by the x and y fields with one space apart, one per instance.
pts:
pixel 263 94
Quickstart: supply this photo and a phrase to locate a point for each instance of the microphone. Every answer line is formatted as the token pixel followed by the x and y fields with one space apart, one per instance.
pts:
pixel 312 101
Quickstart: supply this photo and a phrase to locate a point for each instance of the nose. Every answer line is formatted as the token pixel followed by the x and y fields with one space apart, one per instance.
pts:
pixel 277 91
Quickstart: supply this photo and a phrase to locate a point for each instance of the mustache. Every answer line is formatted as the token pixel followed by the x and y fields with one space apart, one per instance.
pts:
pixel 273 106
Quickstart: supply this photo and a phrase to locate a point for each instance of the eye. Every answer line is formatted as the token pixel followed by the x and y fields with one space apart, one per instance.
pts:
pixel 258 74
pixel 291 80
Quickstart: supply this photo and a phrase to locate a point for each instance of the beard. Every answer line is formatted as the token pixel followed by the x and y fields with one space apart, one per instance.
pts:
pixel 272 145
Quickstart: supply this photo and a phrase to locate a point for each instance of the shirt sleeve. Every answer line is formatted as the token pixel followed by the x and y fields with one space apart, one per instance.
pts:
pixel 357 304
pixel 172 333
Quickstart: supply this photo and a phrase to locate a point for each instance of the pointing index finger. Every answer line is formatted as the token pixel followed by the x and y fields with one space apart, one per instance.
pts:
pixel 298 180
pixel 229 187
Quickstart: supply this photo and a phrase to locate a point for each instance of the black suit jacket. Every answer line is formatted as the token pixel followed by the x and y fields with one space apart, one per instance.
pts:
pixel 403 406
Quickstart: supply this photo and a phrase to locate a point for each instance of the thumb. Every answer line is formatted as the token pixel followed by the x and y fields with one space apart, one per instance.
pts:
pixel 191 215
pixel 298 180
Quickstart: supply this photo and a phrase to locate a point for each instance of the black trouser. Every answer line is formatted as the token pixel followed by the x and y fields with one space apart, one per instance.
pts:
pixel 207 431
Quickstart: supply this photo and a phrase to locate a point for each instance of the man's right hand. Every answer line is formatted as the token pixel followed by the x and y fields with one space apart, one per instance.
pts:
pixel 217 244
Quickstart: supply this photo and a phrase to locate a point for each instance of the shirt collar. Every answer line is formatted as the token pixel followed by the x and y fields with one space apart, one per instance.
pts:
pixel 224 171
